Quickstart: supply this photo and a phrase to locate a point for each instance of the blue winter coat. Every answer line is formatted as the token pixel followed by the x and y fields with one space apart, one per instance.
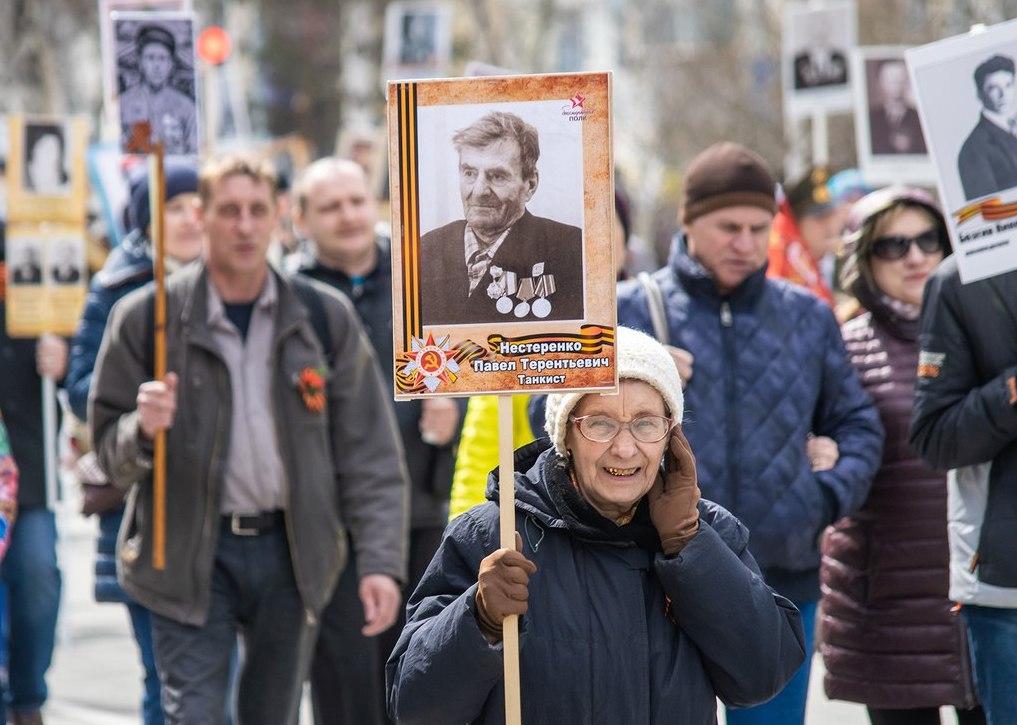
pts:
pixel 770 368
pixel 128 267
pixel 596 645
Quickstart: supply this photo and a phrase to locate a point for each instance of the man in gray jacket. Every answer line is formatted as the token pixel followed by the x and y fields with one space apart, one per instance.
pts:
pixel 278 433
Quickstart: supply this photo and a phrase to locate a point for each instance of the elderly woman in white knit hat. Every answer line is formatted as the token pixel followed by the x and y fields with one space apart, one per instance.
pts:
pixel 640 602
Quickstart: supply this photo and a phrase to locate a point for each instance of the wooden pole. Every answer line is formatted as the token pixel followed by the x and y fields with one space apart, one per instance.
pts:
pixel 507 522
pixel 156 199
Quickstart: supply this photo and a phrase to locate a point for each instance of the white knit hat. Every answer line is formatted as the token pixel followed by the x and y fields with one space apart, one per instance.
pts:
pixel 639 357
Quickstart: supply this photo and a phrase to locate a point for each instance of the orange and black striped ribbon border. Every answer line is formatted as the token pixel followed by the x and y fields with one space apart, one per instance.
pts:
pixel 593 339
pixel 992 210
pixel 409 210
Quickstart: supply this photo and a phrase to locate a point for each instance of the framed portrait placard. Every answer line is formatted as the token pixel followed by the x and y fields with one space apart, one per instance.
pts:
pixel 156 82
pixel 888 131
pixel 46 178
pixel 107 47
pixel 45 278
pixel 418 39
pixel 817 41
pixel 502 227
pixel 967 99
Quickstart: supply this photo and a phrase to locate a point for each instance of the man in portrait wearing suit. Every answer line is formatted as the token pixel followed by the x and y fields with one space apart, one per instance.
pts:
pixel 65 270
pixel 27 270
pixel 893 123
pixel 987 161
pixel 500 263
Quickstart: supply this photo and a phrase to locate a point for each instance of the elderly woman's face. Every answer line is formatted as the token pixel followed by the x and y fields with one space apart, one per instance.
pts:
pixel 904 278
pixel 613 476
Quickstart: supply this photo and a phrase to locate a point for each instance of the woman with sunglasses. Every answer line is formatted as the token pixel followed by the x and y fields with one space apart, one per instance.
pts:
pixel 890 639
pixel 639 602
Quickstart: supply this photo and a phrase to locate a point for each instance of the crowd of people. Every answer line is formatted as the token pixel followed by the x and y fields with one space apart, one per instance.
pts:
pixel 814 448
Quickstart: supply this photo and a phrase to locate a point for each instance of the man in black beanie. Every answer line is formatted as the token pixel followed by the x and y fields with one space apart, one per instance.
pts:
pixel 765 369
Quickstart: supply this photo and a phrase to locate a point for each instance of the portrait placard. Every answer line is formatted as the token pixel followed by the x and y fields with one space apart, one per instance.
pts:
pixel 156 84
pixel 502 225
pixel 106 9
pixel 418 39
pixel 46 178
pixel 817 41
pixel 888 130
pixel 44 278
pixel 968 103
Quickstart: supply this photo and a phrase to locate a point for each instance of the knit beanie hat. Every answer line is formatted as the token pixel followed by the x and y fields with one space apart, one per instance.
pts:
pixel 639 357
pixel 181 178
pixel 727 174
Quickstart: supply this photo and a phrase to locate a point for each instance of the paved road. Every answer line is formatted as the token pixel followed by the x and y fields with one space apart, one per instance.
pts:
pixel 96 677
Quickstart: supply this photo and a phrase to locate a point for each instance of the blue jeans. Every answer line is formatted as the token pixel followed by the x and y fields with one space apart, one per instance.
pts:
pixel 788 707
pixel 992 633
pixel 151 699
pixel 32 578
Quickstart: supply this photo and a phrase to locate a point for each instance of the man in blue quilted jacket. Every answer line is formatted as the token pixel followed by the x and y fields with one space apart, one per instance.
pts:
pixel 765 370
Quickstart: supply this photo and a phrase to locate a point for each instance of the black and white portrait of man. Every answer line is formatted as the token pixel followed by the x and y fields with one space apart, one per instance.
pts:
pixel 65 267
pixel 894 126
pixel 987 161
pixel 417 44
pixel 25 262
pixel 155 61
pixel 500 262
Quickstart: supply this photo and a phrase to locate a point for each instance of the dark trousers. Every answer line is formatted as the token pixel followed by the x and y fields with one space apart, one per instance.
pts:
pixel 923 716
pixel 255 596
pixel 348 676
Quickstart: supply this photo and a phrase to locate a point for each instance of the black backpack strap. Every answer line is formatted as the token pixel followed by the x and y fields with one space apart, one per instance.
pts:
pixel 311 299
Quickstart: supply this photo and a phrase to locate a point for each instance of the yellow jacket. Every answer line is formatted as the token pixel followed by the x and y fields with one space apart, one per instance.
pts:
pixel 478 448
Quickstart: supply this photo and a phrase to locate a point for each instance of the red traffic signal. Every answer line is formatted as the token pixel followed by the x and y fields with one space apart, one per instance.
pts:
pixel 214 45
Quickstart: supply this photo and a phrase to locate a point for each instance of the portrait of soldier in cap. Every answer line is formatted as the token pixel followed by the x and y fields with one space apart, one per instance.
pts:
pixel 987 161
pixel 170 114
pixel 500 263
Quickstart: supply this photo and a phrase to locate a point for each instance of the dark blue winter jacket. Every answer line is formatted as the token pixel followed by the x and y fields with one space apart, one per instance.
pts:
pixel 128 267
pixel 598 643
pixel 770 368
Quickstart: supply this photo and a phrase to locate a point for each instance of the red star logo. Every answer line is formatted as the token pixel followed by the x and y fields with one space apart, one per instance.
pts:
pixel 578 100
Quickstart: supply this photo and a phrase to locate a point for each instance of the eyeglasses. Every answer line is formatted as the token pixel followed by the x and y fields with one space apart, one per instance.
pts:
pixel 603 429
pixel 892 248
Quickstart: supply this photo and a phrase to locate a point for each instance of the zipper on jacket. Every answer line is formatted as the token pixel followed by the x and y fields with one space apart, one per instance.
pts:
pixel 730 401
pixel 974 562
pixel 726 319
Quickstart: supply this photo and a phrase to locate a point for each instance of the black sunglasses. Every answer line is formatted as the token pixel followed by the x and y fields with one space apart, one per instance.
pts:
pixel 891 248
